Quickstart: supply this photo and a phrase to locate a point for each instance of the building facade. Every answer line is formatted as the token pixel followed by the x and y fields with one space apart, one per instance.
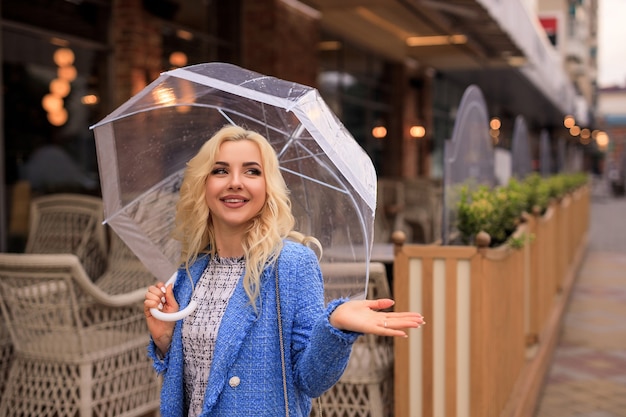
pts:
pixel 612 119
pixel 393 71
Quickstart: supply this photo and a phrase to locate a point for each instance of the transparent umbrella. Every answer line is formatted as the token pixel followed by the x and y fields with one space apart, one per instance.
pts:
pixel 144 145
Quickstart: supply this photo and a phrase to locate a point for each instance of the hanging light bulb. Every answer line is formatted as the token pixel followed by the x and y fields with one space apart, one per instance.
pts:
pixel 63 57
pixel 495 123
pixel 89 99
pixel 67 72
pixel 60 87
pixel 569 121
pixel 417 131
pixel 379 132
pixel 57 117
pixel 51 103
pixel 178 59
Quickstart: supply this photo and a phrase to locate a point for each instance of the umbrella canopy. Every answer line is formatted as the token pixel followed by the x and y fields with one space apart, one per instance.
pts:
pixel 144 145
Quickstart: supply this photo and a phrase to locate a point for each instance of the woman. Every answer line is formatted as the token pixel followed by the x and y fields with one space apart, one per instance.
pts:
pixel 238 246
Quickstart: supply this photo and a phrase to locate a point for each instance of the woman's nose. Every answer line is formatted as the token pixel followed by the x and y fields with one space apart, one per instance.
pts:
pixel 235 182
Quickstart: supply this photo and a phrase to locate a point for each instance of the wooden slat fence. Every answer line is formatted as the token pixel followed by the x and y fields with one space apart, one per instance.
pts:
pixel 484 308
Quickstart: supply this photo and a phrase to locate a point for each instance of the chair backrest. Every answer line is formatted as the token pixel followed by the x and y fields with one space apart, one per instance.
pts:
pixel 343 272
pixel 69 223
pixel 423 206
pixel 20 208
pixel 6 353
pixel 125 272
pixel 389 208
pixel 54 311
pixel 372 356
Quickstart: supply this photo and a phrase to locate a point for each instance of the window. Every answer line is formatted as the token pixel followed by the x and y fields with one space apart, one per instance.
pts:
pixel 356 85
pixel 194 33
pixel 54 62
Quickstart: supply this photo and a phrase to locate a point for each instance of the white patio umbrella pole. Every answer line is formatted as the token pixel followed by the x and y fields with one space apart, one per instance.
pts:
pixel 157 314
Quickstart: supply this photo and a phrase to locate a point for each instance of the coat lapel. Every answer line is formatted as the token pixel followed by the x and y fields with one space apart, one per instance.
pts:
pixel 236 323
pixel 182 288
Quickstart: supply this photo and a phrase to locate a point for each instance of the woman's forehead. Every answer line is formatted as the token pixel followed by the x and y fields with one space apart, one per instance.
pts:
pixel 238 150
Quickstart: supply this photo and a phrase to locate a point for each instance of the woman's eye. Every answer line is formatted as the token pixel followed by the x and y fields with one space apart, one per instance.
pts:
pixel 254 171
pixel 218 171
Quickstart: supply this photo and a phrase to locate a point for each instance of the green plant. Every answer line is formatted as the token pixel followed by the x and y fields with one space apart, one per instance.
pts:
pixel 538 191
pixel 518 242
pixel 497 211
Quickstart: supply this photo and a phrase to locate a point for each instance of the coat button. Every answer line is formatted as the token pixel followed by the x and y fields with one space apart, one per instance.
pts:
pixel 234 381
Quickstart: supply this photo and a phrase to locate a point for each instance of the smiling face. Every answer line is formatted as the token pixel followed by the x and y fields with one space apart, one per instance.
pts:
pixel 235 188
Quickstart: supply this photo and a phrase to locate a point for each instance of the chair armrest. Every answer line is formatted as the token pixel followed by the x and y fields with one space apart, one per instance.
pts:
pixel 71 261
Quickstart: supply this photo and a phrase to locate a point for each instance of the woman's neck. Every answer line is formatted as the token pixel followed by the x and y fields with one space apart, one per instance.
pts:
pixel 228 253
pixel 229 245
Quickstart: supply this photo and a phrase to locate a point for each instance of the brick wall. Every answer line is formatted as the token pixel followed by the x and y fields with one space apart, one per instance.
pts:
pixel 279 40
pixel 136 40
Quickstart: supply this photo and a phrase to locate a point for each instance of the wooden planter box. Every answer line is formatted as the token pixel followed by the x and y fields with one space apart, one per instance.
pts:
pixel 490 315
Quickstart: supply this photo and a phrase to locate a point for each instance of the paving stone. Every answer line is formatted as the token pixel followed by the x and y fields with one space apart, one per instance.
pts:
pixel 587 377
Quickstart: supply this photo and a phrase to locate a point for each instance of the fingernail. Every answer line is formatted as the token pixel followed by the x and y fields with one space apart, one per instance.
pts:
pixel 160 307
pixel 163 300
pixel 163 290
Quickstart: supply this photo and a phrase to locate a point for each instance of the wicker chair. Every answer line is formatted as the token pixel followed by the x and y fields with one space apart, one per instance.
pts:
pixel 18 215
pixel 69 223
pixel 390 209
pixel 366 387
pixel 77 350
pixel 419 213
pixel 6 353
pixel 125 272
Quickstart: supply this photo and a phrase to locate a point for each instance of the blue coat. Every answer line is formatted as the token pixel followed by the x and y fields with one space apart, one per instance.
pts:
pixel 246 372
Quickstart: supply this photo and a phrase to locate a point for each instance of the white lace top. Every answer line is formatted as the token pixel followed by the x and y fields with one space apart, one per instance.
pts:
pixel 199 331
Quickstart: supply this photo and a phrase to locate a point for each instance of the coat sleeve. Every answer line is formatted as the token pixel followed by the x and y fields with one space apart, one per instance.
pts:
pixel 182 292
pixel 320 352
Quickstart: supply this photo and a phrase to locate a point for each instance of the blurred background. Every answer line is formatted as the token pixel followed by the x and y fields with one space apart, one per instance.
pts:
pixel 394 71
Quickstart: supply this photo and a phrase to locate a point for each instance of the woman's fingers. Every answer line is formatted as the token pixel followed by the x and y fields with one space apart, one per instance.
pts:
pixel 380 303
pixel 402 322
pixel 156 297
pixel 365 316
pixel 152 294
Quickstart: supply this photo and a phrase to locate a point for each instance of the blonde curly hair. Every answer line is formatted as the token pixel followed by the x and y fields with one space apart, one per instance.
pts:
pixel 263 239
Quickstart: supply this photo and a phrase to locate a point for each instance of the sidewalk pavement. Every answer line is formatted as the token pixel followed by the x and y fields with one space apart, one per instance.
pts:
pixel 587 376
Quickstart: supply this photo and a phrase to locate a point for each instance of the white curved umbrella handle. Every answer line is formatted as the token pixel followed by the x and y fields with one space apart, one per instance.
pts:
pixel 157 314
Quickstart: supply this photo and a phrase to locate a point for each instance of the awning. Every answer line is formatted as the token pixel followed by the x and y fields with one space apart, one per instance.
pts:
pixel 498 45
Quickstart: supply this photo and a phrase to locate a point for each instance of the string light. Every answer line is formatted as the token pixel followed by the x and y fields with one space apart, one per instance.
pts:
pixel 602 139
pixel 89 99
pixel 51 103
pixel 569 121
pixel 60 87
pixel 417 131
pixel 68 73
pixel 178 59
pixel 575 131
pixel 57 117
pixel 379 132
pixel 63 57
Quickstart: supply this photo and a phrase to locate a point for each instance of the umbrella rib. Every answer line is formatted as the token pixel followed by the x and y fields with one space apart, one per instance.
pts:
pixel 341 190
pixel 291 139
pixel 301 157
pixel 245 116
pixel 219 109
pixel 171 180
